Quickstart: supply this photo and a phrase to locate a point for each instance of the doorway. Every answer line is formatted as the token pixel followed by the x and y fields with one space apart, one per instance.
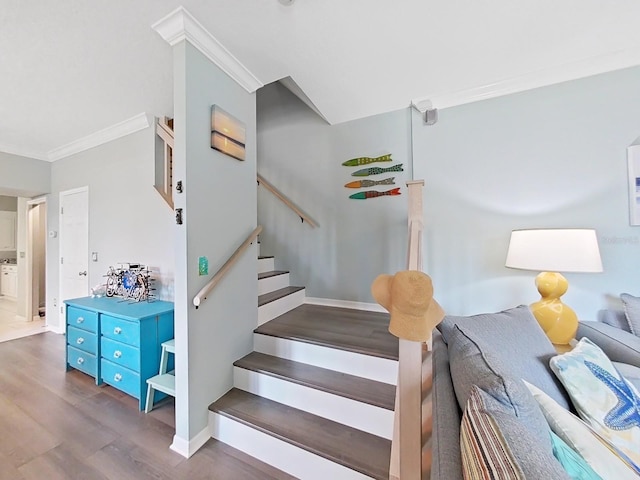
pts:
pixel 36 259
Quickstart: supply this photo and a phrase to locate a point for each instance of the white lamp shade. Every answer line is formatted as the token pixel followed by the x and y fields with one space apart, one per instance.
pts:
pixel 554 250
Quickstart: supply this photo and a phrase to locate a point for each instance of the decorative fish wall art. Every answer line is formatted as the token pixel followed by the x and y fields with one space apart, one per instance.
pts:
pixel 370 183
pixel 374 194
pixel 354 162
pixel 365 172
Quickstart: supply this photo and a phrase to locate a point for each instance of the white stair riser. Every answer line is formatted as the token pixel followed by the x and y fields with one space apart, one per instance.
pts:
pixel 369 418
pixel 269 284
pixel 274 309
pixel 266 265
pixel 374 368
pixel 282 455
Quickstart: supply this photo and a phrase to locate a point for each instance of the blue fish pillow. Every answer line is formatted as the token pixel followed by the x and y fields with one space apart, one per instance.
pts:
pixel 602 396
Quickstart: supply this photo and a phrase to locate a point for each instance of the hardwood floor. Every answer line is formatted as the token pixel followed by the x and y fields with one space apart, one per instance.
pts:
pixel 60 425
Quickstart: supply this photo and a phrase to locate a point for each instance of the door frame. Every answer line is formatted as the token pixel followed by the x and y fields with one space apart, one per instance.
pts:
pixel 62 325
pixel 29 255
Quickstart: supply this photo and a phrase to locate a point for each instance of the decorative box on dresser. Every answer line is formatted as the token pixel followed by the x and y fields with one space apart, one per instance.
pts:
pixel 118 342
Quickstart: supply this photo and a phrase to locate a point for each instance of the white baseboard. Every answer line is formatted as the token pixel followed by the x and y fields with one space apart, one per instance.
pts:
pixel 329 302
pixel 287 457
pixel 55 329
pixel 186 448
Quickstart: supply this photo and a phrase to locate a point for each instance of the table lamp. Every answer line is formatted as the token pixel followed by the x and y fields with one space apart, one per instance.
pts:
pixel 551 251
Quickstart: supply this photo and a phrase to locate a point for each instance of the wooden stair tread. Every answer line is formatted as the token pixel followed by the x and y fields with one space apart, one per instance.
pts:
pixel 355 449
pixel 277 294
pixel 349 386
pixel 356 331
pixel 273 273
pixel 264 256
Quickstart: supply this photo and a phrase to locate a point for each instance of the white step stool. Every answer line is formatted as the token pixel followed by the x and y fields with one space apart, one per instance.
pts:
pixel 163 382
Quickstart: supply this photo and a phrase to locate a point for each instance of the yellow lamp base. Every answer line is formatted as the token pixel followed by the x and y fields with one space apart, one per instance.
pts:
pixel 558 321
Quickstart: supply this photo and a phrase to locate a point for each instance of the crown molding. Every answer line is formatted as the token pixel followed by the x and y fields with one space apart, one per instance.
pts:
pixel 180 25
pixel 548 76
pixel 10 149
pixel 121 129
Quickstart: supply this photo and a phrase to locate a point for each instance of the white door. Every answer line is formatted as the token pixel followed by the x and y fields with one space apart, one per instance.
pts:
pixel 74 246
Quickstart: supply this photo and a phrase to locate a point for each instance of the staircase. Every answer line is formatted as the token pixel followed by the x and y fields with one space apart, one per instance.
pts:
pixel 315 398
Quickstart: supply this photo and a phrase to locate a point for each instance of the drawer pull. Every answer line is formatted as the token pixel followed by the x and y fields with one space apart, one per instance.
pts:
pixel 80 361
pixel 117 354
pixel 117 330
pixel 80 341
pixel 80 320
pixel 117 377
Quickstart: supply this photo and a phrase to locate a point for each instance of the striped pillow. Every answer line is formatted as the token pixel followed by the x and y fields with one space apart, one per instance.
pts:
pixel 495 445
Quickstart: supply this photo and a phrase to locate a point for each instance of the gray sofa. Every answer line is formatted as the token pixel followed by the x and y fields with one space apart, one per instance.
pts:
pixel 525 351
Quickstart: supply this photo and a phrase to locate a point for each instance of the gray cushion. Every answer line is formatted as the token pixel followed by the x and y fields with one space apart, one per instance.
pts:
pixel 630 372
pixel 618 345
pixel 469 366
pixel 615 318
pixel 532 459
pixel 515 339
pixel 632 312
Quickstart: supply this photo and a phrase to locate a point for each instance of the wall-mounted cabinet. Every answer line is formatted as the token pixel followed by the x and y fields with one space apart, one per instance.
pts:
pixel 7 231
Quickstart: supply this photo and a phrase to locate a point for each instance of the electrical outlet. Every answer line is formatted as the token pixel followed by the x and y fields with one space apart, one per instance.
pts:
pixel 94 256
pixel 55 302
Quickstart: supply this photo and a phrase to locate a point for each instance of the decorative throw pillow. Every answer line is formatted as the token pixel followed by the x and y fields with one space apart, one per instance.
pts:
pixel 603 398
pixel 632 312
pixel 573 464
pixel 496 446
pixel 605 460
pixel 469 366
pixel 522 345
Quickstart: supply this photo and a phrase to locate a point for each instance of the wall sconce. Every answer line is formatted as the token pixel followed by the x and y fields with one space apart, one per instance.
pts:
pixel 228 134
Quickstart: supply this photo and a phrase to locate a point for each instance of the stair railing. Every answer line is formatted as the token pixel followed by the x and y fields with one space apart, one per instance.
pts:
pixel 406 446
pixel 206 290
pixel 303 216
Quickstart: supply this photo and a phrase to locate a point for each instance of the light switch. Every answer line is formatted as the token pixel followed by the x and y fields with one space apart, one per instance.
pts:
pixel 94 256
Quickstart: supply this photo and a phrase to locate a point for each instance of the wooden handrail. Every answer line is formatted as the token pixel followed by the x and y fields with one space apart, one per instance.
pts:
pixel 202 294
pixel 406 446
pixel 303 216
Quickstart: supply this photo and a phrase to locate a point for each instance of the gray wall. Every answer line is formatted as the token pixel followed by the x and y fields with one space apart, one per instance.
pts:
pixel 302 156
pixel 551 157
pixel 128 220
pixel 23 177
pixel 219 203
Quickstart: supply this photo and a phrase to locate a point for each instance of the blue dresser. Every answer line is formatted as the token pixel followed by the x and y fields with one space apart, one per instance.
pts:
pixel 117 342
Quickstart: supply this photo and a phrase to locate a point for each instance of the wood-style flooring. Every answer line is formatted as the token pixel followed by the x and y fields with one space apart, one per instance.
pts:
pixel 59 425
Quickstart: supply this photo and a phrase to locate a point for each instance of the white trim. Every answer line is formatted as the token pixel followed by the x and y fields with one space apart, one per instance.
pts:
pixel 186 448
pixel 278 307
pixel 37 201
pixel 180 25
pixel 374 368
pixel 282 455
pixel 118 130
pixel 270 284
pixel 23 153
pixel 266 265
pixel 547 76
pixel 359 415
pixel 329 302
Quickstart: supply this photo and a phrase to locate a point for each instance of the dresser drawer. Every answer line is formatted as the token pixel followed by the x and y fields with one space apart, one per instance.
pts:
pixel 121 353
pixel 120 330
pixel 83 340
pixel 121 378
pixel 83 361
pixel 84 319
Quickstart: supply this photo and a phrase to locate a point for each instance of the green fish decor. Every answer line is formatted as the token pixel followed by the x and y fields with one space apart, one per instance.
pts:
pixel 354 162
pixel 365 172
pixel 374 194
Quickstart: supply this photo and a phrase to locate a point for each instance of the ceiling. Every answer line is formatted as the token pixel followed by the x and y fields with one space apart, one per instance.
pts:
pixel 72 68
